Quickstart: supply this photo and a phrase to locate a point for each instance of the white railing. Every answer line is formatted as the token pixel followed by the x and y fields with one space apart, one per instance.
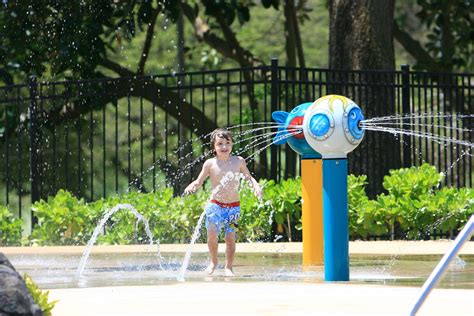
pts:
pixel 438 272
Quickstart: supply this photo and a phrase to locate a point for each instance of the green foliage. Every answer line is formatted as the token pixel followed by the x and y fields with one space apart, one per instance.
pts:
pixel 364 218
pixel 65 220
pixel 68 37
pixel 234 9
pixel 453 206
pixel 39 296
pixel 286 199
pixel 171 219
pixel 412 205
pixel 64 39
pixel 450 36
pixel 408 191
pixel 121 227
pixel 62 220
pixel 413 182
pixel 10 228
pixel 256 215
pixel 210 59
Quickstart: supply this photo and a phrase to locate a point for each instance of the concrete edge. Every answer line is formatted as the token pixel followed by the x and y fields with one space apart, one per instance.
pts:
pixel 437 247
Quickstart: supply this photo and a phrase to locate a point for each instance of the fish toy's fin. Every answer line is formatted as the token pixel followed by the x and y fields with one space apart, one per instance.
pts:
pixel 280 117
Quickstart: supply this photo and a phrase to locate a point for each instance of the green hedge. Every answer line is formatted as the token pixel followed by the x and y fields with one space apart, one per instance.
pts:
pixel 413 207
pixel 10 228
pixel 65 220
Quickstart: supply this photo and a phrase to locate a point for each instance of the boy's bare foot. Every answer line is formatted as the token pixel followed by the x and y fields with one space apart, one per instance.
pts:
pixel 229 272
pixel 210 269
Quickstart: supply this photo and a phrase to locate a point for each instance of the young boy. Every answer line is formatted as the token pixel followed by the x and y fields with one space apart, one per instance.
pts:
pixel 223 208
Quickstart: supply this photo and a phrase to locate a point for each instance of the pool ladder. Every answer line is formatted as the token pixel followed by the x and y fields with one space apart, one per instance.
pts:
pixel 438 272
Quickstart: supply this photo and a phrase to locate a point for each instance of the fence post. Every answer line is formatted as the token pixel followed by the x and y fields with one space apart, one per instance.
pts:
pixel 34 140
pixel 406 139
pixel 273 108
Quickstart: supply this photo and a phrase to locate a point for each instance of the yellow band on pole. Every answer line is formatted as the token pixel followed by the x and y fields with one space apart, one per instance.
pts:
pixel 312 211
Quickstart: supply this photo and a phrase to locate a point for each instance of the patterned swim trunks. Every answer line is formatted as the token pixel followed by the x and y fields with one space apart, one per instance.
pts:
pixel 222 215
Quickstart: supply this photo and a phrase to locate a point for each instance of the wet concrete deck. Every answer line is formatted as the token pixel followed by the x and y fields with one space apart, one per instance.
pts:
pixel 259 298
pixel 223 296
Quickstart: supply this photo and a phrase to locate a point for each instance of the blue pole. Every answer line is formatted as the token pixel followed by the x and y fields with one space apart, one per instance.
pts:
pixel 336 220
pixel 438 272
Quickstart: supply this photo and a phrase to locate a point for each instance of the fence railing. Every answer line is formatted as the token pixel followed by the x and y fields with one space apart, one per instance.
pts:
pixel 101 137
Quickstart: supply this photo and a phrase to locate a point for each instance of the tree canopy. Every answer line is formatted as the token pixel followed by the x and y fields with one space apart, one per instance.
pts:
pixel 64 39
pixel 447 37
pixel 71 38
pixel 74 38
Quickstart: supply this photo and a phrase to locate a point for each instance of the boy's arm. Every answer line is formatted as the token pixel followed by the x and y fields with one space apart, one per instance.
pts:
pixel 257 190
pixel 196 184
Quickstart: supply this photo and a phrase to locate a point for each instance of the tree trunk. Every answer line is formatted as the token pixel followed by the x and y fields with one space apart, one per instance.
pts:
pixel 290 34
pixel 361 38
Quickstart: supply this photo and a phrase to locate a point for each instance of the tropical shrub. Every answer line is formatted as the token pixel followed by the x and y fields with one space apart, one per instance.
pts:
pixel 285 197
pixel 256 215
pixel 62 220
pixel 10 228
pixel 171 219
pixel 364 217
pixel 445 211
pixel 413 207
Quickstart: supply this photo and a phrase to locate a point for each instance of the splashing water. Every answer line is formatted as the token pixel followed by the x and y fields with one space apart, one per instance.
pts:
pixel 251 157
pixel 394 130
pixel 459 263
pixel 187 257
pixel 454 137
pixel 412 116
pixel 256 142
pixel 389 124
pixel 187 167
pixel 183 170
pixel 99 227
pixel 267 125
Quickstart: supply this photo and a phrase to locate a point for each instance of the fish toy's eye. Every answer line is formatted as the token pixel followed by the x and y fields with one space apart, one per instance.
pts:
pixel 321 125
pixel 352 128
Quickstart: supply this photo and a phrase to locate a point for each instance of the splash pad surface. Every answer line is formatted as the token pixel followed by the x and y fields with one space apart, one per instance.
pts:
pixel 257 298
pixel 271 283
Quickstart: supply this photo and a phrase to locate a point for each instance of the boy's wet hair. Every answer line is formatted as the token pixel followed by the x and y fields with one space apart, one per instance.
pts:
pixel 222 133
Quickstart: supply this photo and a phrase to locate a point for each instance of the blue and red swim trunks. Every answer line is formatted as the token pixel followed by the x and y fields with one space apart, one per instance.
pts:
pixel 223 215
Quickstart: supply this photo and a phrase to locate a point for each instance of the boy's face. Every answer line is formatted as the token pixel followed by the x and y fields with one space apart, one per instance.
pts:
pixel 223 146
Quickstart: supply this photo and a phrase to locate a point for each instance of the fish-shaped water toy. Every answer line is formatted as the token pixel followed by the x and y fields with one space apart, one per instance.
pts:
pixel 289 122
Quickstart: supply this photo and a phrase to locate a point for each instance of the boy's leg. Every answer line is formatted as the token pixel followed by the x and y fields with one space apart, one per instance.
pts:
pixel 230 235
pixel 229 253
pixel 212 244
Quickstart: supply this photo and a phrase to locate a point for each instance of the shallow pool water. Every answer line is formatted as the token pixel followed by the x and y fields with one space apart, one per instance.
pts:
pixel 59 271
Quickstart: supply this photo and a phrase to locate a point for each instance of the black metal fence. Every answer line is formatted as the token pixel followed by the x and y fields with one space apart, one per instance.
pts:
pixel 101 137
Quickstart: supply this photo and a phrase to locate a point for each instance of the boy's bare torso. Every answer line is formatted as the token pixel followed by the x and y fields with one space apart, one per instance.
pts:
pixel 225 178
